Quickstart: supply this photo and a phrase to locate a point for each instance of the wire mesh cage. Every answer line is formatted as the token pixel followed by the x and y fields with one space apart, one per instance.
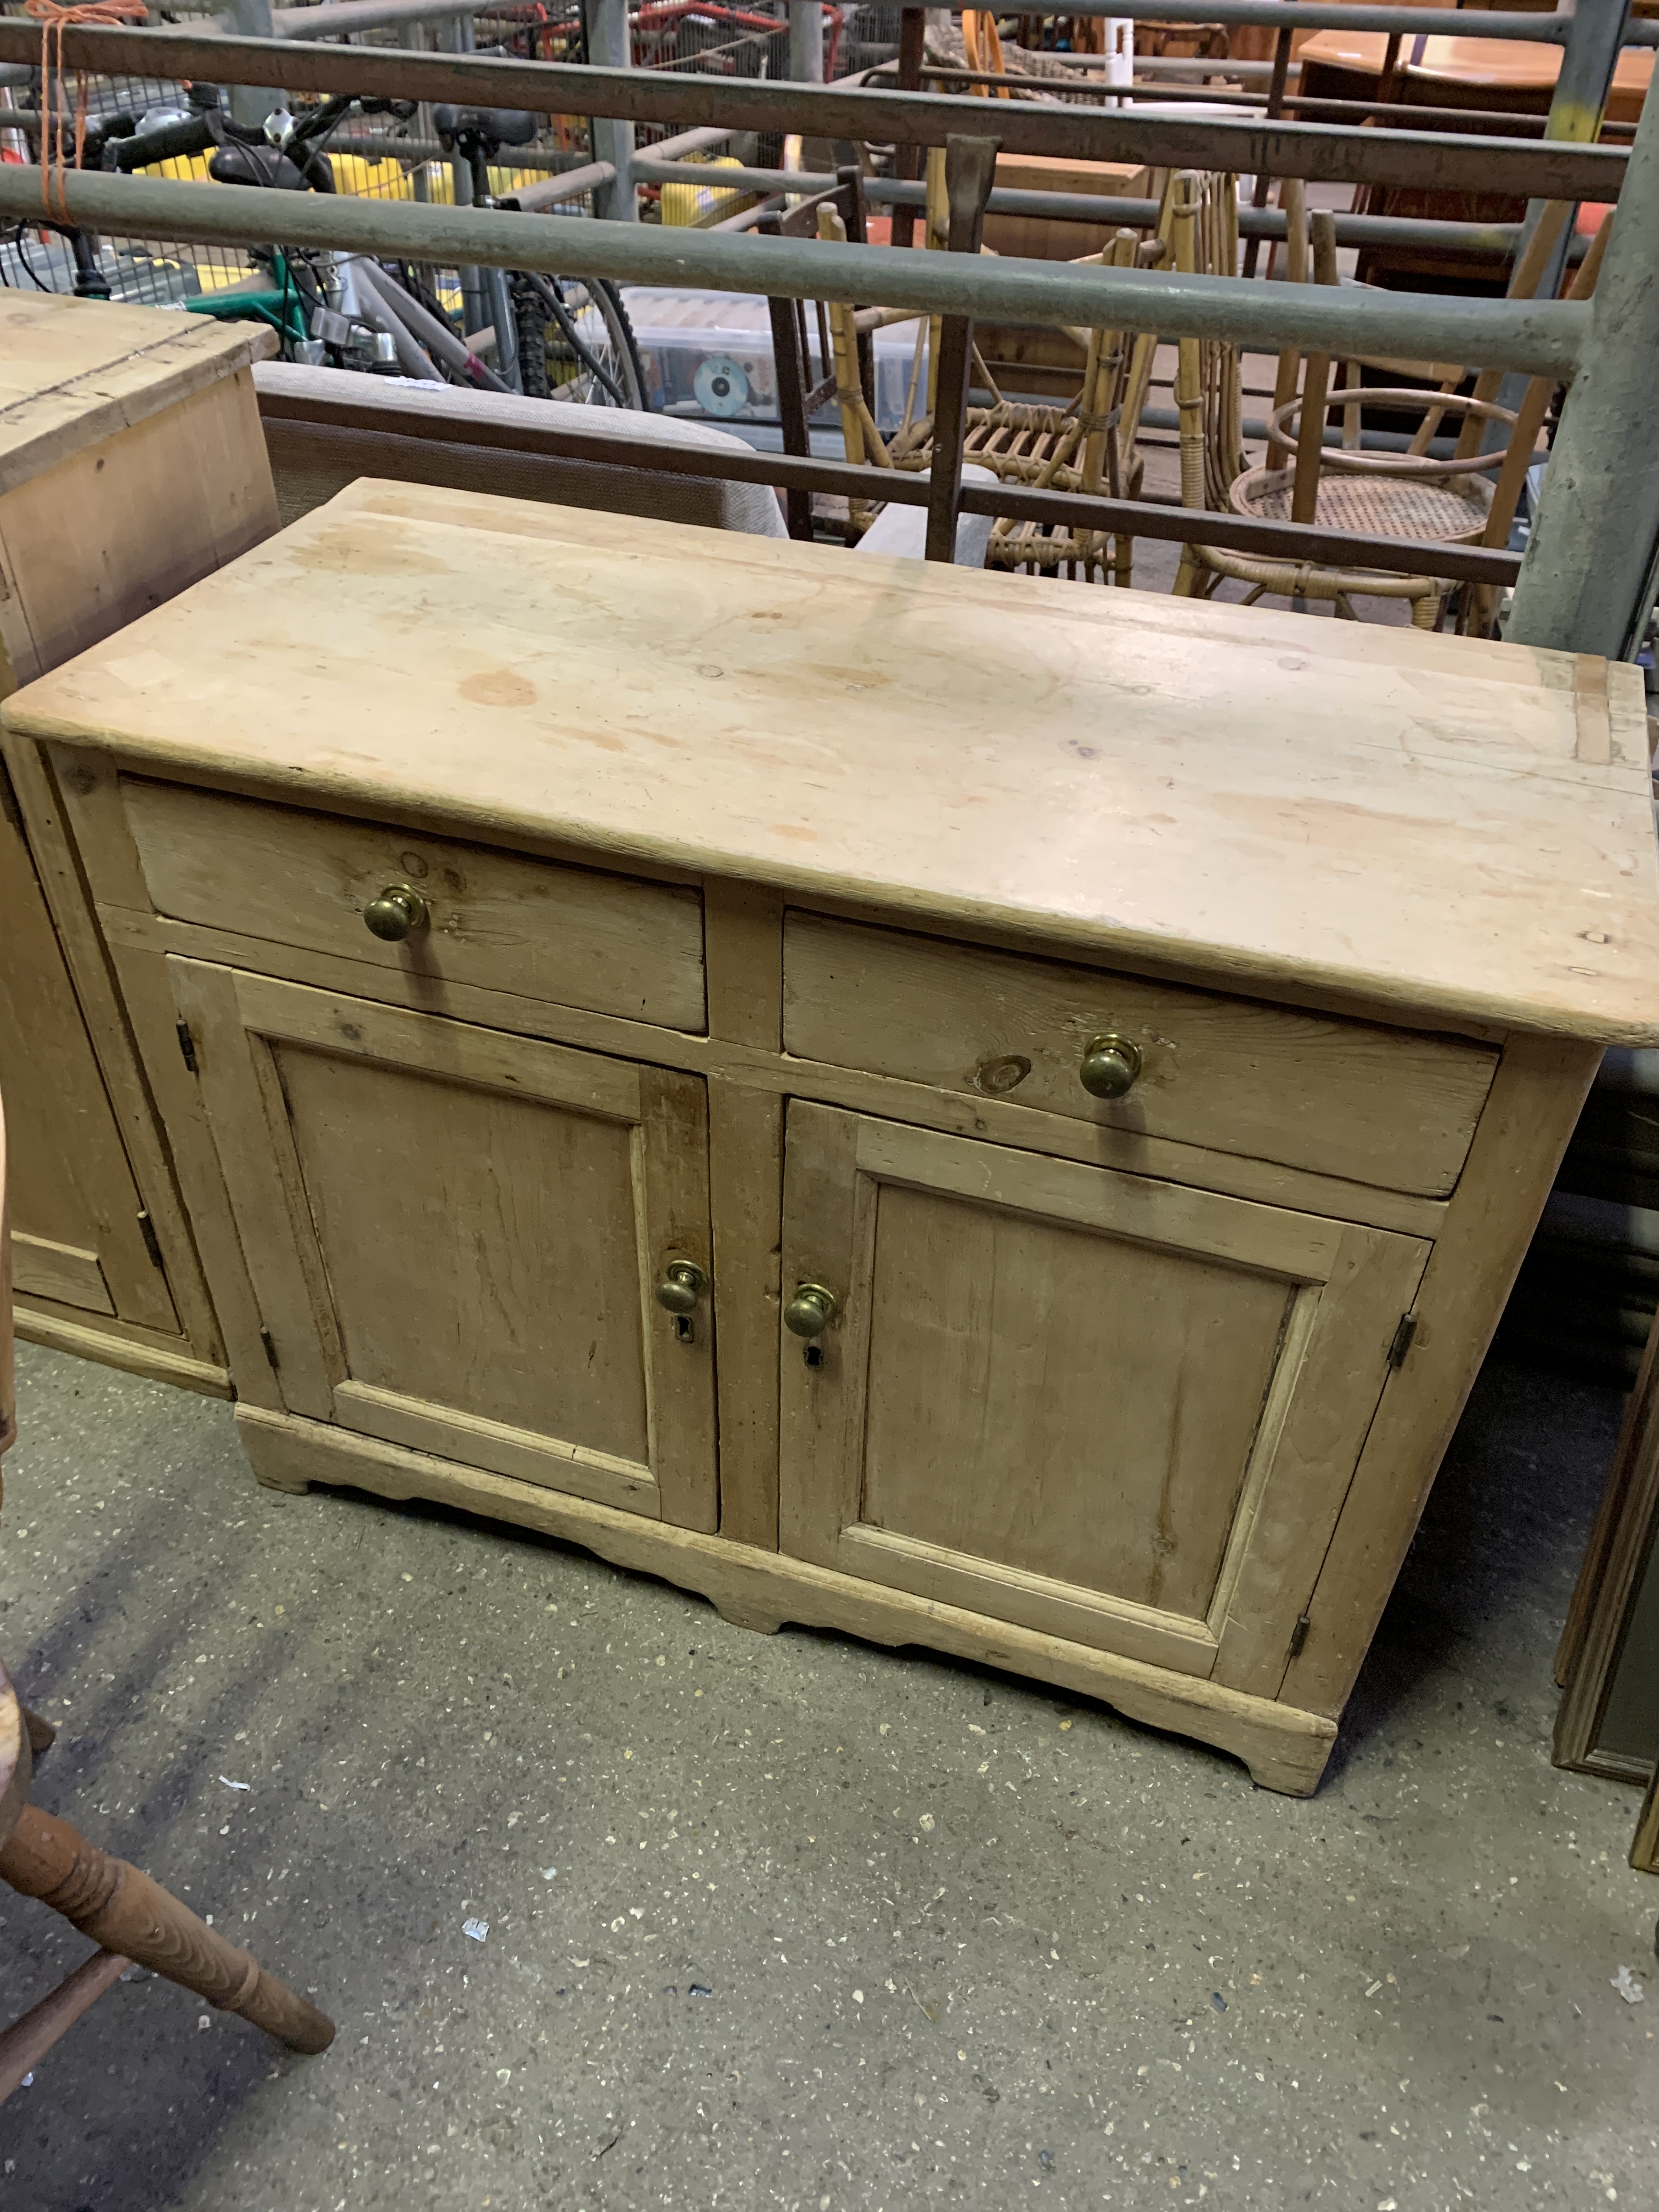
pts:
pixel 370 157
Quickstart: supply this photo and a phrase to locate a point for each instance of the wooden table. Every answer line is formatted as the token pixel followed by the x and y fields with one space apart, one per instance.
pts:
pixel 1126 1041
pixel 131 462
pixel 1432 71
pixel 1463 76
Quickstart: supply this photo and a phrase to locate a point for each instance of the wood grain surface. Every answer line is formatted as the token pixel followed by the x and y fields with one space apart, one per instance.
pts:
pixel 1260 796
pixel 121 1908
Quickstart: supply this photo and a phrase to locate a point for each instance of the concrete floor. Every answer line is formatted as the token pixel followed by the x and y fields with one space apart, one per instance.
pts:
pixel 792 1922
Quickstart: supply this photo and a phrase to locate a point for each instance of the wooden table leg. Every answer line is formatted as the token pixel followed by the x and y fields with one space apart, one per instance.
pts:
pixel 122 1908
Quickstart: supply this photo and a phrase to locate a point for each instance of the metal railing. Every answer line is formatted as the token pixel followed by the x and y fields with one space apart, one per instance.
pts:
pixel 1592 548
pixel 1319 152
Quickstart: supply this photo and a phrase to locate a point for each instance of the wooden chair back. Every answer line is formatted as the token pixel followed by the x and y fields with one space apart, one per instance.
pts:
pixel 1209 394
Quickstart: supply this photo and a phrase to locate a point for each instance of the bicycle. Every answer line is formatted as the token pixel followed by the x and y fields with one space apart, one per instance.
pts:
pixel 562 331
pixel 558 339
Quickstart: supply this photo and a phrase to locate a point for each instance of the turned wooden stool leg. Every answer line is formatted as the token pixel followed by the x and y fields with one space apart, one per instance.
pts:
pixel 26 2041
pixel 41 1733
pixel 123 1910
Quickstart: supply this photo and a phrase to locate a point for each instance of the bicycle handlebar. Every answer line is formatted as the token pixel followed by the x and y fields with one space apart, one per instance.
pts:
pixel 170 142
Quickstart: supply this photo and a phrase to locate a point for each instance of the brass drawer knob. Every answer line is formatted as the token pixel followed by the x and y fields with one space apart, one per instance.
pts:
pixel 811 1309
pixel 683 1284
pixel 397 910
pixel 1109 1066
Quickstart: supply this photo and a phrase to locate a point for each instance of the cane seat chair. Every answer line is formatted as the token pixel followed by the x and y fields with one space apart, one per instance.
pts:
pixel 1468 497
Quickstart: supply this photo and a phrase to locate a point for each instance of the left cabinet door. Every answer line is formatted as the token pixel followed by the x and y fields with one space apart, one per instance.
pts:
pixel 456 1237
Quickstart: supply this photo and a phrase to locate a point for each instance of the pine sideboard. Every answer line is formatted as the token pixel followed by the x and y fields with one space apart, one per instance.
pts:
pixel 985 1114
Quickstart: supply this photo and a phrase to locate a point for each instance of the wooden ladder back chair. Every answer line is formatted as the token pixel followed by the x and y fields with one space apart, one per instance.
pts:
pixel 131 1918
pixel 1075 447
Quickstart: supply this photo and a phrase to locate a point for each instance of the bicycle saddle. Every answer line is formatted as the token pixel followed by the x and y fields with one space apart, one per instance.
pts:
pixel 236 164
pixel 496 126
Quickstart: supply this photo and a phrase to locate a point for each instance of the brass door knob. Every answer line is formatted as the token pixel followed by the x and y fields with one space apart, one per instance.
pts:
pixel 811 1309
pixel 683 1284
pixel 396 912
pixel 1109 1066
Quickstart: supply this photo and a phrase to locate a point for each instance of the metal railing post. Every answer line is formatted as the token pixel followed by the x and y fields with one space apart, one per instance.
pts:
pixel 609 46
pixel 251 19
pixel 454 36
pixel 971 166
pixel 806 41
pixel 1595 39
pixel 1590 560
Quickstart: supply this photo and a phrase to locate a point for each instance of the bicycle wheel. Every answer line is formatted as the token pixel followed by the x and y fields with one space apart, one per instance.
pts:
pixel 576 343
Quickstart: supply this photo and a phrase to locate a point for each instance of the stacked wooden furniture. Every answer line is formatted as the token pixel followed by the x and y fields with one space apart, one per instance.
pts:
pixel 983 1118
pixel 1464 76
pixel 131 464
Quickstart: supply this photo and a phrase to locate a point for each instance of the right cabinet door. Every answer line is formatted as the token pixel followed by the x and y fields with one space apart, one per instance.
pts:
pixel 1104 1407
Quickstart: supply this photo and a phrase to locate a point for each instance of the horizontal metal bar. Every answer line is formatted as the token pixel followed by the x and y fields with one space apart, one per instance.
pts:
pixel 1238 533
pixel 1098 208
pixel 1544 337
pixel 1071 510
pixel 1322 153
pixel 531 198
pixel 334 17
pixel 1394 113
pixel 1093 209
pixel 688 141
pixel 1534 29
pixel 339 19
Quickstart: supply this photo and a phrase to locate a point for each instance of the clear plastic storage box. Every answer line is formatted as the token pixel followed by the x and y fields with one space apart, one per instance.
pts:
pixel 709 355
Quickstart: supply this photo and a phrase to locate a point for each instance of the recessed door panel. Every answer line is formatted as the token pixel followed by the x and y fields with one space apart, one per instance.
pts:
pixel 481 1250
pixel 1092 1402
pixel 1113 1409
pixel 456 1237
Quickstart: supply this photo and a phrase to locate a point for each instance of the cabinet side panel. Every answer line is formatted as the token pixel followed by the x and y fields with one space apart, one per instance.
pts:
pixel 47 812
pixel 71 1182
pixel 1540 1088
pixel 117 528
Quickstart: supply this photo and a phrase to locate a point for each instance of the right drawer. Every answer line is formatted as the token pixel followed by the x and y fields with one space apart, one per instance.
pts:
pixel 1395 1108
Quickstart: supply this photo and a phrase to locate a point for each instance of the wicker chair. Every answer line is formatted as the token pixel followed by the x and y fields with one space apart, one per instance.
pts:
pixel 1077 448
pixel 1414 494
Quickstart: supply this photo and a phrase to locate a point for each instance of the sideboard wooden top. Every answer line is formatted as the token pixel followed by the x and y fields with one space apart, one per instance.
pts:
pixel 1426 821
pixel 74 371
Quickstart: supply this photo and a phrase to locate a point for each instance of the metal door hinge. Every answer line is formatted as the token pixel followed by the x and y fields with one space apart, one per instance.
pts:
pixel 152 1245
pixel 187 1046
pixel 1298 1637
pixel 269 1342
pixel 1402 1339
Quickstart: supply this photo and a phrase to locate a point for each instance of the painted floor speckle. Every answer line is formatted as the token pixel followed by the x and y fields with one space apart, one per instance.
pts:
pixel 789 1920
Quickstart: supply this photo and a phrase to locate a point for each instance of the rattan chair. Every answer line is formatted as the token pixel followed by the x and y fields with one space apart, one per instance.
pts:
pixel 1076 447
pixel 1469 497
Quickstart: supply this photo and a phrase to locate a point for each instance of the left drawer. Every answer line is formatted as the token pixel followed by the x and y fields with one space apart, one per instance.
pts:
pixel 542 929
